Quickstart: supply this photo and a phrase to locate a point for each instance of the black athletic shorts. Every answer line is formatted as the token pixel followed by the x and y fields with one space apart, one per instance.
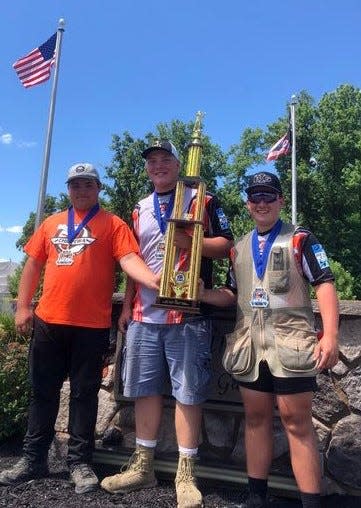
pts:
pixel 269 383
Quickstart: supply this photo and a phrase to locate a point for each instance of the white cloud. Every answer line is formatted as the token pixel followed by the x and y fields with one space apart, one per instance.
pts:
pixel 6 139
pixel 12 229
pixel 26 144
pixel 15 229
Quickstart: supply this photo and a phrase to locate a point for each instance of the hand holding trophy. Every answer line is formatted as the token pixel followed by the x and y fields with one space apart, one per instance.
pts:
pixel 179 282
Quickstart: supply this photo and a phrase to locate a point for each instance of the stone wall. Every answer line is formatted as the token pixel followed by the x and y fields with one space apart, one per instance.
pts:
pixel 336 410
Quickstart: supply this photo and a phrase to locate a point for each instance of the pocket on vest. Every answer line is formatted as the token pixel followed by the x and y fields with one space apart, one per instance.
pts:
pixel 295 348
pixel 238 357
pixel 279 272
pixel 279 282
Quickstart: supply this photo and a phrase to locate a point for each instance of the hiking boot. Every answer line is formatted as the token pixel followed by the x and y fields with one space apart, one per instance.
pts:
pixel 188 495
pixel 23 471
pixel 254 501
pixel 84 478
pixel 137 474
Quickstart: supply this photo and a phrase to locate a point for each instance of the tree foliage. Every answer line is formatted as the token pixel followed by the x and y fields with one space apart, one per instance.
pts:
pixel 344 281
pixel 329 194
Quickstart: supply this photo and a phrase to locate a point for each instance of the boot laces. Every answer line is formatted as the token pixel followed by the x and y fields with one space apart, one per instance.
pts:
pixel 135 463
pixel 85 470
pixel 185 474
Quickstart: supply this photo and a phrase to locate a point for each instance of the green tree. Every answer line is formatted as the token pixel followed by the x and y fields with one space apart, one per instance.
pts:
pixel 242 157
pixel 328 194
pixel 129 182
pixel 344 281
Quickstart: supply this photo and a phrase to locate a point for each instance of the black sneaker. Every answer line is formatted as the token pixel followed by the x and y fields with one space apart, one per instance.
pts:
pixel 84 478
pixel 254 501
pixel 23 471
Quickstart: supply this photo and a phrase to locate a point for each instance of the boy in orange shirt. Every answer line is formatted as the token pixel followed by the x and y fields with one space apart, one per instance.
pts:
pixel 78 250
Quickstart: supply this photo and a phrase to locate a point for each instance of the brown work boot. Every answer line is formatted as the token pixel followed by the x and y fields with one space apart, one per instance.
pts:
pixel 188 495
pixel 137 474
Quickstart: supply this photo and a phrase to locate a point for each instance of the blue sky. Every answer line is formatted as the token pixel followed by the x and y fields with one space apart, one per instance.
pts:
pixel 130 64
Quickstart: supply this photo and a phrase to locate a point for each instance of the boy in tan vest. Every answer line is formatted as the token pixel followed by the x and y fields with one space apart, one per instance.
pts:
pixel 274 352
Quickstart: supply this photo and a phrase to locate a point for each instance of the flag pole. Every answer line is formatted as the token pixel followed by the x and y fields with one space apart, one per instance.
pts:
pixel 294 169
pixel 44 171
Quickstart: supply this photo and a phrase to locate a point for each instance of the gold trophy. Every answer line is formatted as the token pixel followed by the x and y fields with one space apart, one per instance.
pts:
pixel 179 288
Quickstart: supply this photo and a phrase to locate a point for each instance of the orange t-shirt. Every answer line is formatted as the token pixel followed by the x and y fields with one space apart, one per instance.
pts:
pixel 79 278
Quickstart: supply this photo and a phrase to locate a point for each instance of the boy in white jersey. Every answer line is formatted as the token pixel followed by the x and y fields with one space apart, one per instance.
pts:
pixel 278 354
pixel 162 343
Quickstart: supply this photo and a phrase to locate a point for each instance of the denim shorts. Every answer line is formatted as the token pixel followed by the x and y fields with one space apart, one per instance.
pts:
pixel 156 354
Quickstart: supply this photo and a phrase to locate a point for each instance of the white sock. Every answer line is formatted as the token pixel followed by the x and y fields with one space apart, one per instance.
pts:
pixel 149 443
pixel 190 452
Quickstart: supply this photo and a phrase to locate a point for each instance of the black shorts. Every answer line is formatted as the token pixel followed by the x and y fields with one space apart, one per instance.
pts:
pixel 269 383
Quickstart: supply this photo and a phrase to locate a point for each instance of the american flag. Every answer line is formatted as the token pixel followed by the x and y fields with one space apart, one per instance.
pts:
pixel 282 147
pixel 35 67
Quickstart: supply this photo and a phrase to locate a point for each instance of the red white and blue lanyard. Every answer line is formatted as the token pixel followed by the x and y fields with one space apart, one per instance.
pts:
pixel 162 218
pixel 260 260
pixel 72 232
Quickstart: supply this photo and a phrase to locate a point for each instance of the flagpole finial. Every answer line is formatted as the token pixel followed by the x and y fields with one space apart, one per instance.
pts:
pixel 61 24
pixel 294 99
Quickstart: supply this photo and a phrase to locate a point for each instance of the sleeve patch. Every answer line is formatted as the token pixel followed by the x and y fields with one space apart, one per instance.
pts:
pixel 223 221
pixel 320 256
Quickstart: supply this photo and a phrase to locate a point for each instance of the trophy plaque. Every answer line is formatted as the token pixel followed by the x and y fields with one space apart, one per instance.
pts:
pixel 179 287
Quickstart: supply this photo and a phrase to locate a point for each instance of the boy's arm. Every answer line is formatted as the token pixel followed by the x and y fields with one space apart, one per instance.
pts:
pixel 134 266
pixel 221 297
pixel 218 244
pixel 28 283
pixel 326 351
pixel 217 247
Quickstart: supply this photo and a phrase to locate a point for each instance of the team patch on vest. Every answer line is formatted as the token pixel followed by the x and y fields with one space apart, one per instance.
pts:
pixel 320 255
pixel 223 221
pixel 259 298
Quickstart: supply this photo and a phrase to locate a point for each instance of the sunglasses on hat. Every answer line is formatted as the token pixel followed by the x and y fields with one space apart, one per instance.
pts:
pixel 266 197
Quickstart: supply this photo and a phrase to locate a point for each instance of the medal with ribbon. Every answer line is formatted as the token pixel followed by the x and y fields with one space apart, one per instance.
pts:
pixel 162 217
pixel 72 231
pixel 259 297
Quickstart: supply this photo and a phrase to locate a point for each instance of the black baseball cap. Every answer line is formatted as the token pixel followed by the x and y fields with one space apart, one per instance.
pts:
pixel 265 180
pixel 161 144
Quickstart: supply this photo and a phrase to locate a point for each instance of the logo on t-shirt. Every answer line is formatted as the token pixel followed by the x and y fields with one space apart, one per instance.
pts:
pixel 67 251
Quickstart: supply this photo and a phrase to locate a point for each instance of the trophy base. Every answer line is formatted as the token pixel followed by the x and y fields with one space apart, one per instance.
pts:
pixel 167 302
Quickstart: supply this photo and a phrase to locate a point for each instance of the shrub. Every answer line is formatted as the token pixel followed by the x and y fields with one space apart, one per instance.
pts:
pixel 14 387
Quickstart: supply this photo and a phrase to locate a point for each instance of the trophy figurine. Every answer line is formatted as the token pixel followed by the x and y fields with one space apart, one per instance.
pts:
pixel 179 282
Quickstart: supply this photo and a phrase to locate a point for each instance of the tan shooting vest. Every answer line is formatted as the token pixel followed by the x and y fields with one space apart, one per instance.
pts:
pixel 283 334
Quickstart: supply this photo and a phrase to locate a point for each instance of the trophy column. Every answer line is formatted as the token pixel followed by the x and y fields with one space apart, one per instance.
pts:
pixel 179 288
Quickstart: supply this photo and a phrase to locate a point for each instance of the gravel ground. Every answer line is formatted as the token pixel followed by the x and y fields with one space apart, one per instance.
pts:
pixel 57 492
